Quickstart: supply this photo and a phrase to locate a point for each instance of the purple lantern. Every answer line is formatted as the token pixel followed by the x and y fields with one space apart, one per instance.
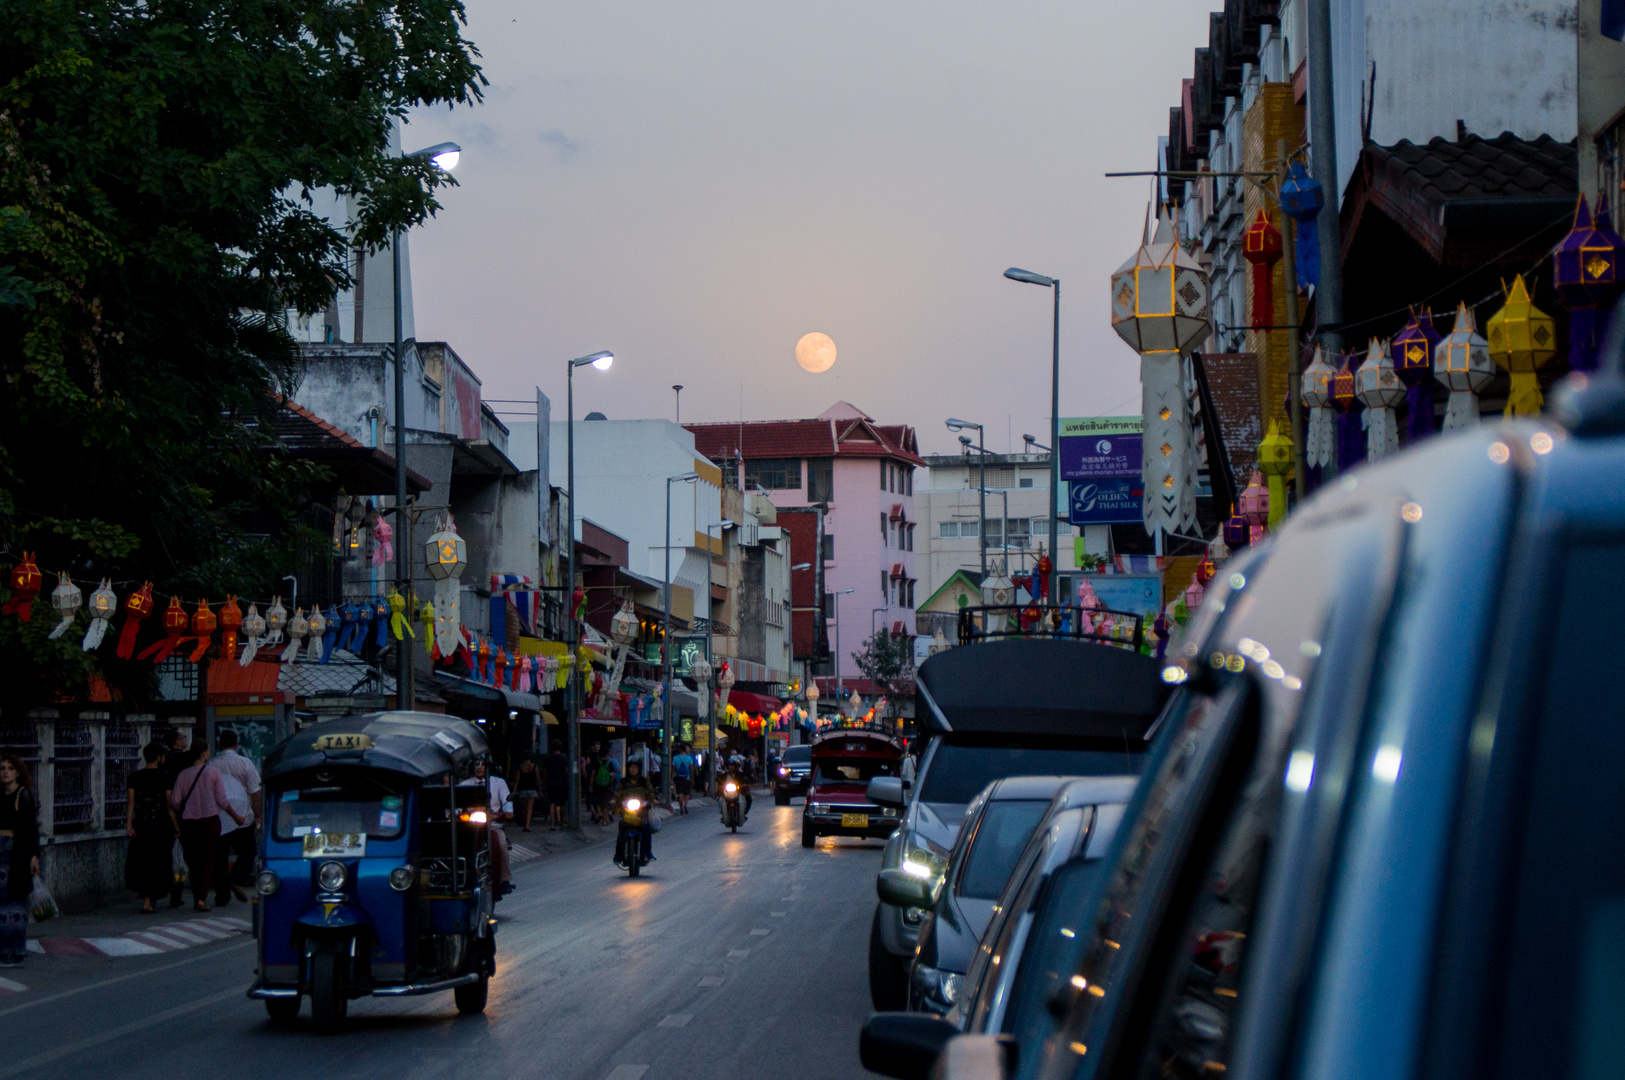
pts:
pixel 1236 532
pixel 1585 270
pixel 1350 434
pixel 1412 350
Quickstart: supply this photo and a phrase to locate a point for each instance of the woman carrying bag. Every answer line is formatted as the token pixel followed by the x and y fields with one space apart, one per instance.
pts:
pixel 151 826
pixel 19 857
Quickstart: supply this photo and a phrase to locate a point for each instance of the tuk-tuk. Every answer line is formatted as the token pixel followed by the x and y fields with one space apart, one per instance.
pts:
pixel 844 760
pixel 375 866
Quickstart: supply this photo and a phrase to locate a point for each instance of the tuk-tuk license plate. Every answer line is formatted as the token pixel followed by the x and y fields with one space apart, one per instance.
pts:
pixel 330 844
pixel 854 821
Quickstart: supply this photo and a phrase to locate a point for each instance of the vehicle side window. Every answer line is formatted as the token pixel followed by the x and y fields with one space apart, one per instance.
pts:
pixel 1038 978
pixel 1562 1008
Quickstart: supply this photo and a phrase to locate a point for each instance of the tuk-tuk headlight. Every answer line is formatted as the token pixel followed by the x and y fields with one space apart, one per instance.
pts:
pixel 268 882
pixel 401 878
pixel 330 876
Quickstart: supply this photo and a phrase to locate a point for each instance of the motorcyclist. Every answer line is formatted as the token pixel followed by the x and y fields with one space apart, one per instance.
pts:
pixel 634 783
pixel 735 771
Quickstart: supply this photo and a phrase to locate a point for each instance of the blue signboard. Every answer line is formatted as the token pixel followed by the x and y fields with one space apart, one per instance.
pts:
pixel 1106 502
pixel 1100 448
pixel 1137 594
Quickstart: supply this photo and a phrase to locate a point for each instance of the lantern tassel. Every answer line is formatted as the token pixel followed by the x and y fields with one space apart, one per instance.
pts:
pixel 318 626
pixel 1320 440
pixel 380 619
pixel 1263 294
pixel 1525 398
pixel 136 607
pixel 1382 433
pixel 398 624
pixel 330 638
pixel 1350 445
pixel 1461 410
pixel 1419 410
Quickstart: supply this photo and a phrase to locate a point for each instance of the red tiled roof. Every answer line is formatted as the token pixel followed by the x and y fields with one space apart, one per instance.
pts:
pixel 851 437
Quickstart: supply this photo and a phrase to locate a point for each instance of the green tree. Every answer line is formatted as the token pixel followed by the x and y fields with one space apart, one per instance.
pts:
pixel 887 660
pixel 156 164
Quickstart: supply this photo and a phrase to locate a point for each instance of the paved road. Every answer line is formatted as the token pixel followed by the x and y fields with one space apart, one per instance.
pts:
pixel 734 956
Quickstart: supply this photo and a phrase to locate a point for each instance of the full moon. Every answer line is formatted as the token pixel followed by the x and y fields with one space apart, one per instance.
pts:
pixel 815 352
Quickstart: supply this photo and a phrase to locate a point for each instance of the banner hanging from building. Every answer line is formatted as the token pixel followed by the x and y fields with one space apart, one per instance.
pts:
pixel 1101 447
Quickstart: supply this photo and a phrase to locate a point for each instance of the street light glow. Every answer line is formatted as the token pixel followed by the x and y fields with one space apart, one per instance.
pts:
pixel 443 156
pixel 600 360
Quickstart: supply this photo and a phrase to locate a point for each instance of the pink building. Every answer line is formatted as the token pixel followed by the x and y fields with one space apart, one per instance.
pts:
pixel 863 474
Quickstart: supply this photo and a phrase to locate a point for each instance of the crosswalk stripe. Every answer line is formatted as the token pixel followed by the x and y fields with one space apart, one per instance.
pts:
pixel 11 986
pixel 153 939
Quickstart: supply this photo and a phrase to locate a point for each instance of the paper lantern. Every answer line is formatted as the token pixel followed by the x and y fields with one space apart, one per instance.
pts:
pixel 253 634
pixel 1206 569
pixel 175 624
pixel 137 606
pixel 1350 443
pixel 998 591
pixel 446 557
pixel 1379 389
pixel 1585 272
pixel 26 582
pixel 380 621
pixel 298 631
pixel 1193 596
pixel 101 607
pixel 1275 455
pixel 1160 307
pixel 231 621
pixel 1320 439
pixel 203 624
pixel 1461 361
pixel 1301 199
pixel 700 670
pixel 66 600
pixel 1261 246
pixel 725 683
pixel 276 618
pixel 1255 507
pixel 1237 533
pixel 1521 338
pixel 445 554
pixel 318 628
pixel 1412 351
pixel 383 542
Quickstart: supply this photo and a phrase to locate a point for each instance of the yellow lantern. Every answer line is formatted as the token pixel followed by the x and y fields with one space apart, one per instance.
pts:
pixel 1521 338
pixel 1275 460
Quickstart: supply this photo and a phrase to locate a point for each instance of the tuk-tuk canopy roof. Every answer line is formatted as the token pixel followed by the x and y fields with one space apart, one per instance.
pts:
pixel 855 742
pixel 414 744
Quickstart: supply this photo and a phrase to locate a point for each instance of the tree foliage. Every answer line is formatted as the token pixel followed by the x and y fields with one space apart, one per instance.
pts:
pixel 156 164
pixel 887 660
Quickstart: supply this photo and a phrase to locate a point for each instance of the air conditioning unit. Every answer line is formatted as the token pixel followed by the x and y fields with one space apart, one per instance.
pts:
pixel 750 535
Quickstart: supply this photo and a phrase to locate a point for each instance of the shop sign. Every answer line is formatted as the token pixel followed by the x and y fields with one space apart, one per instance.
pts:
pixel 1101 447
pixel 1137 594
pixel 1106 502
pixel 684 651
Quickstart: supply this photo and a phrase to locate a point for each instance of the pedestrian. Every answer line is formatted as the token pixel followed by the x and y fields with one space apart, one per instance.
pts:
pixel 149 822
pixel 498 808
pixel 200 795
pixel 529 789
pixel 177 756
pixel 602 775
pixel 244 794
pixel 682 773
pixel 556 773
pixel 19 857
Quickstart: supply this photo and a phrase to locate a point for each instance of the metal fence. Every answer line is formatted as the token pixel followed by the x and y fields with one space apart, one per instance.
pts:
pixel 122 757
pixel 74 758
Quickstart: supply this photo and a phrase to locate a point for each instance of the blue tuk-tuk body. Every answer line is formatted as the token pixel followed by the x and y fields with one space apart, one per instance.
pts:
pixel 375 867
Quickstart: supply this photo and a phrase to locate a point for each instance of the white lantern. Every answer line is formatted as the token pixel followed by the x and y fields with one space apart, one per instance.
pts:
pixel 446 557
pixel 1320 442
pixel 66 600
pixel 253 632
pixel 276 617
pixel 623 628
pixel 725 683
pixel 1461 360
pixel 1160 307
pixel 445 554
pixel 1379 388
pixel 939 643
pixel 998 591
pixel 298 630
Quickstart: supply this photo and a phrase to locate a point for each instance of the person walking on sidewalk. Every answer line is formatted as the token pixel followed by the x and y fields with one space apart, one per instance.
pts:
pixel 200 796
pixel 529 785
pixel 243 793
pixel 19 857
pixel 149 822
pixel 556 770
pixel 682 774
pixel 178 754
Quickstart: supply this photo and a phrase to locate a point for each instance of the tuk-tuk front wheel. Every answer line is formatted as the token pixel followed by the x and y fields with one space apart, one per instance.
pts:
pixel 282 1009
pixel 471 996
pixel 328 1004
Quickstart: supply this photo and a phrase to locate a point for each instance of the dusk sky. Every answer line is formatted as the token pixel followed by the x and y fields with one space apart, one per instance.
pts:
pixel 695 186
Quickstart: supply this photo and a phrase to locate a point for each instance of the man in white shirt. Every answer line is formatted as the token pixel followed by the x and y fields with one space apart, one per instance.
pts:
pixel 242 783
pixel 500 806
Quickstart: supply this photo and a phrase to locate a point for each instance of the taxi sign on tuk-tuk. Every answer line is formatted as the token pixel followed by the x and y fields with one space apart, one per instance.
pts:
pixel 342 741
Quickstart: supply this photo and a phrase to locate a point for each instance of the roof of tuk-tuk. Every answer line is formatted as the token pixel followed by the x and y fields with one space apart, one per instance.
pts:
pixel 856 742
pixel 415 744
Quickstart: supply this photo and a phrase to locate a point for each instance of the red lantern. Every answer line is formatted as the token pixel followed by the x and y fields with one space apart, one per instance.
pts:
pixel 1044 567
pixel 1261 244
pixel 231 621
pixel 175 624
pixel 203 624
pixel 137 606
pixel 1205 570
pixel 26 583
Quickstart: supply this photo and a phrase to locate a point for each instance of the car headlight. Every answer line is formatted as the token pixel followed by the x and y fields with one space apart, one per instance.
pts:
pixel 783 771
pixel 923 859
pixel 820 808
pixel 401 878
pixel 330 876
pixel 268 882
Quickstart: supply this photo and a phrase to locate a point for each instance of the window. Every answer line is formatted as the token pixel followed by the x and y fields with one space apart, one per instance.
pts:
pixel 774 474
pixel 360 805
pixel 829 605
pixel 908 477
pixel 1016 528
pixel 992 530
pixel 853 770
pixel 885 527
pixel 948 529
pixel 884 465
pixel 1001 834
pixel 910 593
pixel 884 585
pixel 1025 481
pixel 911 538
pixel 957 772
pixel 820 479
pixel 829 548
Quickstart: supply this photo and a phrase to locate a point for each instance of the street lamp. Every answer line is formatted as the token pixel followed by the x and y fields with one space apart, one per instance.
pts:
pixel 981 523
pixel 1033 444
pixel 600 361
pixel 444 156
pixel 665 639
pixel 1030 278
pixel 843 592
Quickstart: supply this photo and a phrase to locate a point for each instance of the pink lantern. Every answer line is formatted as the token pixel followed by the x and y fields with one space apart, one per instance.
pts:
pixel 1255 506
pixel 1195 593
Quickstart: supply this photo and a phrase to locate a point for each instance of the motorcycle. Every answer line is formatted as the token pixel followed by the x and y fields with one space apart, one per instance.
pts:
pixel 733 812
pixel 632 847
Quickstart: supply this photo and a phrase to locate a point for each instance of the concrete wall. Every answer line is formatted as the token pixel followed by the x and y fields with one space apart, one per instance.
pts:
pixel 948 494
pixel 352 387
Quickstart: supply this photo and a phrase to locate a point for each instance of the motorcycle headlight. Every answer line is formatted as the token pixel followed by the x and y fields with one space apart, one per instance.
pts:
pixel 731 788
pixel 783 771
pixel 268 882
pixel 634 805
pixel 330 876
pixel 401 878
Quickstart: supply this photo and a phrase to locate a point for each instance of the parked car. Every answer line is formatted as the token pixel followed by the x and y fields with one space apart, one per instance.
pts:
pixel 844 761
pixel 1382 833
pixel 793 775
pixel 1012 707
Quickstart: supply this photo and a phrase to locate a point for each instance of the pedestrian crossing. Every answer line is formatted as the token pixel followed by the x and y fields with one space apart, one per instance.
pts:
pixel 165 937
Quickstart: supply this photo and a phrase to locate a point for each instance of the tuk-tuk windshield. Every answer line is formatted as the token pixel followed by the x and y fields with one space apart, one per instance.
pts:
pixel 854 770
pixel 356 804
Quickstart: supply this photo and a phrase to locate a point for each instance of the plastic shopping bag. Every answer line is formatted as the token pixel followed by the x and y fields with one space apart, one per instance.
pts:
pixel 41 905
pixel 654 823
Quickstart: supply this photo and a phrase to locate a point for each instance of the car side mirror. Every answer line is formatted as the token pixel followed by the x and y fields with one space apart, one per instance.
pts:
pixel 886 791
pixel 904 1045
pixel 900 888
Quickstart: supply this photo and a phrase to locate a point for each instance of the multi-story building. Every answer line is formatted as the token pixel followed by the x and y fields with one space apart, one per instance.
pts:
pixel 862 474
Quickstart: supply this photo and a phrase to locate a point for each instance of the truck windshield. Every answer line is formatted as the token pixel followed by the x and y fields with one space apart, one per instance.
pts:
pixel 854 770
pixel 358 805
pixel 798 755
pixel 958 771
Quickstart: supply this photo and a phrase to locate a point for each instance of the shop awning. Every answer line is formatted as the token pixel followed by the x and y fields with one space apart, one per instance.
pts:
pixel 513 699
pixel 755 704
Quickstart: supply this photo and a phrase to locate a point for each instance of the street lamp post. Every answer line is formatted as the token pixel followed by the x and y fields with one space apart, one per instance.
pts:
pixel 665 641
pixel 444 155
pixel 1054 284
pixel 843 592
pixel 572 696
pixel 981 524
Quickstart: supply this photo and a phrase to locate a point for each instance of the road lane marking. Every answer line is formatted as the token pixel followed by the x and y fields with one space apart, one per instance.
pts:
pixel 760 933
pixel 676 1020
pixel 27 1065
pixel 735 954
pixel 9 986
pixel 711 980
pixel 627 1072
pixel 137 974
